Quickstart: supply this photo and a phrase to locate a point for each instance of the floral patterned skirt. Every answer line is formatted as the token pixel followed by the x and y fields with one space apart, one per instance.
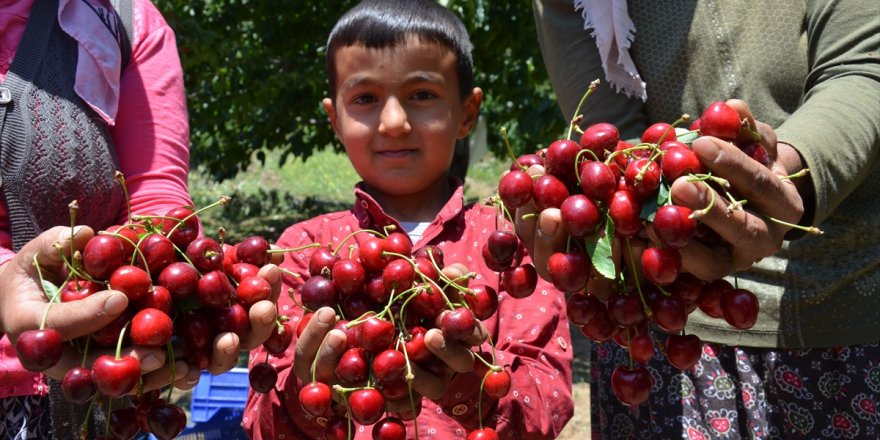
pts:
pixel 745 392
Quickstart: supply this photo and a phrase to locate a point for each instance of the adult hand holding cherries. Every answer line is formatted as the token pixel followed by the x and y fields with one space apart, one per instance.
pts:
pixel 23 304
pixel 750 236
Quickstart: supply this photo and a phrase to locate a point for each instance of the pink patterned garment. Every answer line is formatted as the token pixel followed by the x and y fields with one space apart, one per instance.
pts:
pixel 151 131
pixel 531 335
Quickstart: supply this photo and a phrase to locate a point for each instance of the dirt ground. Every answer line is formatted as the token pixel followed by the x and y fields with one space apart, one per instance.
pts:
pixel 578 428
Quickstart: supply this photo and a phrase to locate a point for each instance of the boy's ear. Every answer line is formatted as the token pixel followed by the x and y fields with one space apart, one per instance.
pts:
pixel 331 113
pixel 472 104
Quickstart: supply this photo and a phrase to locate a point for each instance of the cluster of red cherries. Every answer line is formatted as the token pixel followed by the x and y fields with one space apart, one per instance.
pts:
pixel 611 192
pixel 183 290
pixel 388 296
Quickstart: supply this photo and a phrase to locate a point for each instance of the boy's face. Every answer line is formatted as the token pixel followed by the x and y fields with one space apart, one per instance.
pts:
pixel 398 112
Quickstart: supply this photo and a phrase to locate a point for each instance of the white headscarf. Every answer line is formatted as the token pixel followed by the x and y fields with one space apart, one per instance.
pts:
pixel 614 32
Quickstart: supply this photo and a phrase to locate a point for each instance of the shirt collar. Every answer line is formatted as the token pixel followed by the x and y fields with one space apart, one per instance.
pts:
pixel 371 215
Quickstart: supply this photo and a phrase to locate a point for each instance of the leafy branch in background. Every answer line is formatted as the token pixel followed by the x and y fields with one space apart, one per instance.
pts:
pixel 254 73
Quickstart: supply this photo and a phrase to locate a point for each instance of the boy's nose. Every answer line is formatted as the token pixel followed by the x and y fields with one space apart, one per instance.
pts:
pixel 393 120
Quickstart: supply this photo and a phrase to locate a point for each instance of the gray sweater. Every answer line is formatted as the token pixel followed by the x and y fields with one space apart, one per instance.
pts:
pixel 810 69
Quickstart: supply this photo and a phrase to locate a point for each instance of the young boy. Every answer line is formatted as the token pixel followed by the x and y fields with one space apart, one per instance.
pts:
pixel 401 93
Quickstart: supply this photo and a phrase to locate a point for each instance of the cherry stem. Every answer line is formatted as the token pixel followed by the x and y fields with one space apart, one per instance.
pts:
pixel 632 262
pixel 796 175
pixel 119 341
pixel 577 160
pixel 410 377
pixel 172 368
pixel 73 207
pixel 812 230
pixel 121 179
pixel 223 200
pixel 294 249
pixel 85 352
pixel 510 149
pixel 700 213
pixel 53 296
pixel 349 236
pixel 577 110
pixel 107 422
pixel 84 428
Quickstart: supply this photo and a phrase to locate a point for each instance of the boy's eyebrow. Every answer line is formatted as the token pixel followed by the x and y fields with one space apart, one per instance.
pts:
pixel 411 78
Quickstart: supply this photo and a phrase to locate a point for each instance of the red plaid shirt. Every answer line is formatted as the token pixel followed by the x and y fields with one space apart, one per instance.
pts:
pixel 531 335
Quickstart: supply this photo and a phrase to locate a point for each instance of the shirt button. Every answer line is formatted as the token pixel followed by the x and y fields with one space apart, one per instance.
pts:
pixel 459 409
pixel 562 343
pixel 5 96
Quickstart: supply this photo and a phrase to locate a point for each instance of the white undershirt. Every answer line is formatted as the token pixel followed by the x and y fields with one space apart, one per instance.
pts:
pixel 414 229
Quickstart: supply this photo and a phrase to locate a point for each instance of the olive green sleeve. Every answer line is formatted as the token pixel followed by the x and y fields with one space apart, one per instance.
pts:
pixel 837 129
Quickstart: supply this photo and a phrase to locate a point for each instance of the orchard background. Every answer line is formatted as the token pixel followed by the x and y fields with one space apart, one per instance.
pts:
pixel 254 74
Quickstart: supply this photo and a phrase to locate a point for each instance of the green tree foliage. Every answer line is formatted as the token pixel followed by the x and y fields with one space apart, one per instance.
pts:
pixel 254 72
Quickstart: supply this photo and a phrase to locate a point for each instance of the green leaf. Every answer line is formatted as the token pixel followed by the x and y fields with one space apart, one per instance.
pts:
pixel 599 249
pixel 50 289
pixel 688 137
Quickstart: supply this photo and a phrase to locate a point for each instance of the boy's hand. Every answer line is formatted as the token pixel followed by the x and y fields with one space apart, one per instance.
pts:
pixel 262 316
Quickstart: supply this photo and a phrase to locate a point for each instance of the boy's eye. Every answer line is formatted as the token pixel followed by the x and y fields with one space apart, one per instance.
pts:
pixel 364 99
pixel 423 95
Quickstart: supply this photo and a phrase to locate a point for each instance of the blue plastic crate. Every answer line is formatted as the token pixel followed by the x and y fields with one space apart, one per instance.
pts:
pixel 213 393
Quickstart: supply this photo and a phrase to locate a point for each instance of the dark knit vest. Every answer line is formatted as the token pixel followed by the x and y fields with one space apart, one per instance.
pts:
pixel 55 149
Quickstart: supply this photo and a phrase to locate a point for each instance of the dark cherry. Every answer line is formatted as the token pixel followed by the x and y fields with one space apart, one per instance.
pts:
pixel 683 351
pixel 262 377
pixel 77 385
pixel 123 423
pixel 661 266
pixel 569 271
pixel 353 368
pixel 133 281
pixel 458 324
pixel 389 428
pixel 549 191
pixel 184 233
pixel 366 406
pixel 482 300
pixel 526 160
pixel 279 340
pixel 710 297
pixel 114 377
pixel 322 259
pixel 598 181
pixel 739 308
pixel 581 307
pixel 515 189
pixel 151 328
pixel 158 251
pixel 600 138
pixel 720 120
pixel 205 254
pixel 181 279
pixel 580 216
pixel 214 289
pixel 253 250
pixel 520 281
pixel 674 226
pixel 560 160
pixel 102 255
pixel 166 421
pixel 670 313
pixel 625 211
pixel 631 386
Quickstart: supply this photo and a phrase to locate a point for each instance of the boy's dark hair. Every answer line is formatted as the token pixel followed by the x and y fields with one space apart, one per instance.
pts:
pixel 386 23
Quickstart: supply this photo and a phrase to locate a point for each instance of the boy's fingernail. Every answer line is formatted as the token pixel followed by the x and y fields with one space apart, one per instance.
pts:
pixel 326 316
pixel 77 229
pixel 335 341
pixel 115 303
pixel 150 363
pixel 547 226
